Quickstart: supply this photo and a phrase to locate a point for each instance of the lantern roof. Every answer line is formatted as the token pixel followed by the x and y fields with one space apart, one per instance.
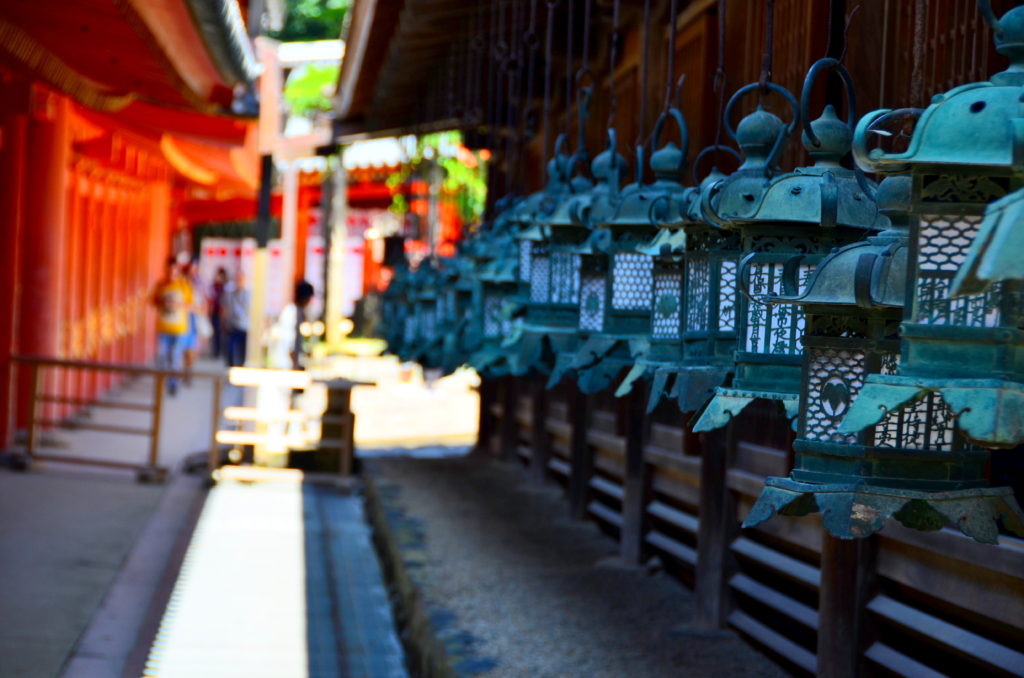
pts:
pixel 971 129
pixel 825 194
pixel 997 252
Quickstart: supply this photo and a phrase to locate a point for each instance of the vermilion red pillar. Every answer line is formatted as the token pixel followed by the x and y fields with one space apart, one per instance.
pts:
pixel 42 272
pixel 13 126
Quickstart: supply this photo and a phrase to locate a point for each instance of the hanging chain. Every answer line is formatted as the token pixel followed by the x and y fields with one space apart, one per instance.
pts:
pixel 511 66
pixel 528 126
pixel 769 43
pixel 584 71
pixel 568 69
pixel 548 31
pixel 670 61
pixel 720 82
pixel 643 73
pixel 613 101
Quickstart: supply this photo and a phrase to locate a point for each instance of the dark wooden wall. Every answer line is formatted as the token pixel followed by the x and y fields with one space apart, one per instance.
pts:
pixel 901 603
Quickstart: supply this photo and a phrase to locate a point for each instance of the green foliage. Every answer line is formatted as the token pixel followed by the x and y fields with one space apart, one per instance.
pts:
pixel 308 91
pixel 466 180
pixel 313 20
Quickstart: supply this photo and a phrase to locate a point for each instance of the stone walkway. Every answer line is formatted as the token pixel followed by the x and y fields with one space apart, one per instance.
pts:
pixel 515 588
pixel 68 529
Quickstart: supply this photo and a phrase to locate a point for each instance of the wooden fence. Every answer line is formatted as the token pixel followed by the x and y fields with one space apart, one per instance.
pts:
pixel 902 602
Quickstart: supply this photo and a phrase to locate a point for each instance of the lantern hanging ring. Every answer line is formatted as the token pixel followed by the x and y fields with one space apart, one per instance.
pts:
pixel 714 148
pixel 684 135
pixel 990 17
pixel 783 133
pixel 820 66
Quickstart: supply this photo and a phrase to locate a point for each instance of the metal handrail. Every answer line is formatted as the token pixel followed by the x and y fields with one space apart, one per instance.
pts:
pixel 151 467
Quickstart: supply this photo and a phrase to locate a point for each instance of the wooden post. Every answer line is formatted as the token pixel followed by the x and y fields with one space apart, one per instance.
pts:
pixel 718 525
pixel 847 583
pixel 636 490
pixel 509 428
pixel 485 423
pixel 579 452
pixel 158 407
pixel 214 461
pixel 33 409
pixel 540 441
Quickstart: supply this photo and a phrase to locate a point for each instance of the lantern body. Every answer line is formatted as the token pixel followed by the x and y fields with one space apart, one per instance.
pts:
pixel 787 223
pixel 961 346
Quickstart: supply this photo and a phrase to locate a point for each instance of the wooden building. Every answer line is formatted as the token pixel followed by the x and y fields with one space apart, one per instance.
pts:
pixel 900 603
pixel 113 116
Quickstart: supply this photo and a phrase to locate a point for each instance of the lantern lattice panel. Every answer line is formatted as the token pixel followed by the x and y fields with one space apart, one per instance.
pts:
pixel 774 329
pixel 540 278
pixel 834 378
pixel 698 294
pixel 592 303
pixel 942 248
pixel 727 296
pixel 565 278
pixel 525 259
pixel 668 291
pixel 492 316
pixel 926 424
pixel 631 281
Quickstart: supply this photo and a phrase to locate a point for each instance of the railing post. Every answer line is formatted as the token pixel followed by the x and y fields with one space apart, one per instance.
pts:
pixel 847 584
pixel 579 453
pixel 33 409
pixel 636 489
pixel 540 441
pixel 158 406
pixel 718 525
pixel 214 460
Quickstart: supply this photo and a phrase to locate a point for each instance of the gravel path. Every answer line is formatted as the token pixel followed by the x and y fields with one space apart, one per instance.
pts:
pixel 542 595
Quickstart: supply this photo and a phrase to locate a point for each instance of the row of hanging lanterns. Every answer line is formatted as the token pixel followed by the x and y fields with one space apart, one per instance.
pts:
pixel 884 319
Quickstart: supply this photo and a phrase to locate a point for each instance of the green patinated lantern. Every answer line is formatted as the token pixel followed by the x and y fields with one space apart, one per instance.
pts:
pixel 787 222
pixel 426 349
pixel 495 294
pixel 596 263
pixel 959 385
pixel 693 320
pixel 852 304
pixel 624 230
pixel 529 347
pixel 553 308
pixel 454 310
pixel 395 308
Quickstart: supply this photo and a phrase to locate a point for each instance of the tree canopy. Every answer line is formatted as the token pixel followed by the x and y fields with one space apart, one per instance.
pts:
pixel 313 20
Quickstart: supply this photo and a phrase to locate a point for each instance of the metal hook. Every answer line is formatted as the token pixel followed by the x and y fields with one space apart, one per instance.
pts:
pixel 826 64
pixel 711 149
pixel 784 133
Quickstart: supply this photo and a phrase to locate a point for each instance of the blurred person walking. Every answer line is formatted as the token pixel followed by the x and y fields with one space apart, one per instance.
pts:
pixel 236 319
pixel 215 302
pixel 286 346
pixel 173 299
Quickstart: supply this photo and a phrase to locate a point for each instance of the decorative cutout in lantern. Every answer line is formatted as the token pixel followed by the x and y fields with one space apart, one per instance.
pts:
pixel 787 223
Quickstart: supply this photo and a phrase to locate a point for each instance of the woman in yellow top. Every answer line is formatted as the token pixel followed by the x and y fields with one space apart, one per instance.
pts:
pixel 173 299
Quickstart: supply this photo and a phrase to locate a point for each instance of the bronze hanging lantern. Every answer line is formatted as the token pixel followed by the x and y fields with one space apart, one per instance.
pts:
pixel 788 222
pixel 959 386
